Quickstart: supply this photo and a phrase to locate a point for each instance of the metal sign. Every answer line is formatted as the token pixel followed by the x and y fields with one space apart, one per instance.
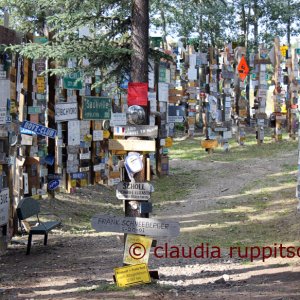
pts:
pixel 96 108
pixel 73 81
pixel 144 226
pixel 134 191
pixel 53 184
pixel 4 206
pixel 131 275
pixel 39 129
pixel 66 111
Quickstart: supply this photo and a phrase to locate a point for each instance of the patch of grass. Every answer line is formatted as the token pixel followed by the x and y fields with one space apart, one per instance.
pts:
pixel 191 149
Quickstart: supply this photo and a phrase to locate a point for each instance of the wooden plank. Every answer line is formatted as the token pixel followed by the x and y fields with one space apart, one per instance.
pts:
pixel 134 191
pixel 150 227
pixel 132 145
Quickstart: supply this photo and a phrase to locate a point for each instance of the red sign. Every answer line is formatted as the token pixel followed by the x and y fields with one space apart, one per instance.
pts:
pixel 243 68
pixel 137 93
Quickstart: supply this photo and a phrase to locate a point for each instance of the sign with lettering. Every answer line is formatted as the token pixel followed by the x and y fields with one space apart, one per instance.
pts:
pixel 53 184
pixel 144 226
pixel 72 81
pixel 39 129
pixel 66 111
pixel 97 135
pixel 138 130
pixel 4 206
pixel 243 68
pixel 132 275
pixel 78 175
pixel 118 119
pixel 134 191
pixel 96 108
pixel 34 110
pixel 132 145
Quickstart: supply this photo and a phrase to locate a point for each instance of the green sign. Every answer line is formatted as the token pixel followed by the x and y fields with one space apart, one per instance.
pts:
pixel 156 40
pixel 96 108
pixel 40 40
pixel 298 51
pixel 162 74
pixel 32 110
pixel 72 81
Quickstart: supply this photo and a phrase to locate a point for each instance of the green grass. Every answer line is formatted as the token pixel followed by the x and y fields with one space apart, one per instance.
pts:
pixel 191 149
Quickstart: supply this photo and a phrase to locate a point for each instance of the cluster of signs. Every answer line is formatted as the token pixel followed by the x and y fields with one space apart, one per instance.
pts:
pixel 140 233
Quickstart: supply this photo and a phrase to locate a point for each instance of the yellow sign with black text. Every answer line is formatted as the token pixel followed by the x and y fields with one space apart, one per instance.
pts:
pixel 132 275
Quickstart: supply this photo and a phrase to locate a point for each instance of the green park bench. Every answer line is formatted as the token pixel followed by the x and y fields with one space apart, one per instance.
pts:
pixel 27 208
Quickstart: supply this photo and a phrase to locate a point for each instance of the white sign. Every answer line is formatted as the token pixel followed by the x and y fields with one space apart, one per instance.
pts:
pixel 66 111
pixel 163 92
pixel 175 119
pixel 118 119
pixel 4 92
pixel 3 115
pixel 85 155
pixel 99 167
pixel 4 206
pixel 97 135
pixel 134 191
pixel 74 133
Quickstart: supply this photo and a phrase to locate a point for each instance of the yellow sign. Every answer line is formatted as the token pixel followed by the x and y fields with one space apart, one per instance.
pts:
pixel 132 275
pixel 40 80
pixel 283 50
pixel 137 249
pixel 168 142
pixel 88 138
pixel 106 134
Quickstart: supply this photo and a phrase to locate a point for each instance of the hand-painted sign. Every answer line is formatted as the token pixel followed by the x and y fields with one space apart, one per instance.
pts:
pixel 134 191
pixel 66 111
pixel 144 226
pixel 96 108
pixel 39 129
pixel 4 206
pixel 53 184
pixel 138 130
pixel 131 275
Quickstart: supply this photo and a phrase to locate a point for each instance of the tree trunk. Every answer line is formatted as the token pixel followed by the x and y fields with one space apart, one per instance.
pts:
pixel 255 19
pixel 140 40
pixel 164 25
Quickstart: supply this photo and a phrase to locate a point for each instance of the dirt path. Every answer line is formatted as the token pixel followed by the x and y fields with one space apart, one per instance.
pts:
pixel 80 265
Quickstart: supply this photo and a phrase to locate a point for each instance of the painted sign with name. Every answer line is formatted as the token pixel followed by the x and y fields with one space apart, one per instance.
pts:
pixel 97 135
pixel 132 145
pixel 99 167
pixel 132 275
pixel 134 191
pixel 138 130
pixel 73 81
pixel 4 206
pixel 39 129
pixel 3 111
pixel 54 176
pixel 53 185
pixel 96 108
pixel 144 226
pixel 137 249
pixel 66 111
pixel 85 155
pixel 175 119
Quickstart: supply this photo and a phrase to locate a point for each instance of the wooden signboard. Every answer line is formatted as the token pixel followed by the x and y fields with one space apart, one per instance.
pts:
pixel 132 145
pixel 134 191
pixel 96 108
pixel 138 130
pixel 144 226
pixel 66 111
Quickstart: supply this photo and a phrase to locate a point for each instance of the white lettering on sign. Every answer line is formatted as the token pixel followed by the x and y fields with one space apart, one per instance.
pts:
pixel 4 206
pixel 66 111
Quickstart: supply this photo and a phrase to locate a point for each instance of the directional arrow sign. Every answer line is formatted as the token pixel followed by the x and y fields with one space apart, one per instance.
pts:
pixel 144 226
pixel 134 191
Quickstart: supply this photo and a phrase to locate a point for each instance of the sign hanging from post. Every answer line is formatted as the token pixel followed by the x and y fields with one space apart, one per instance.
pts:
pixel 134 191
pixel 4 206
pixel 243 68
pixel 137 93
pixel 137 249
pixel 144 226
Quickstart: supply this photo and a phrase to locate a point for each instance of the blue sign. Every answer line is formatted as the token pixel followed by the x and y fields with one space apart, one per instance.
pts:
pixel 26 131
pixel 39 129
pixel 54 176
pixel 49 160
pixel 52 185
pixel 78 175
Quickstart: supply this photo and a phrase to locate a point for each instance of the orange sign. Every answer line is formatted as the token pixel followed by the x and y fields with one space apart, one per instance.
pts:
pixel 243 68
